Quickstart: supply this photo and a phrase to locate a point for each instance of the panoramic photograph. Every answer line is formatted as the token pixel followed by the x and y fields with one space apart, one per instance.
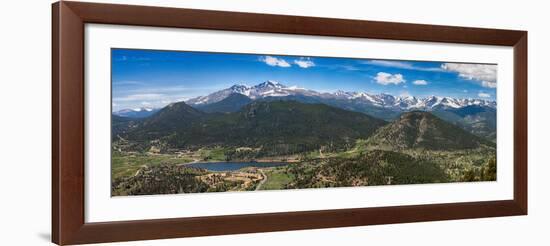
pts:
pixel 196 122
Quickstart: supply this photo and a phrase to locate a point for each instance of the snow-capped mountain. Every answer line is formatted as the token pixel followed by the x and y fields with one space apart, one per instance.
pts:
pixel 136 112
pixel 411 102
pixel 266 89
pixel 275 89
pixel 434 102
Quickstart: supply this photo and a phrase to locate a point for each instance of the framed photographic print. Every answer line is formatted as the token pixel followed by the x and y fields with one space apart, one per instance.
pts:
pixel 176 122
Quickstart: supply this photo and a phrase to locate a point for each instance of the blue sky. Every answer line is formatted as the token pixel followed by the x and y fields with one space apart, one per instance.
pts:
pixel 145 78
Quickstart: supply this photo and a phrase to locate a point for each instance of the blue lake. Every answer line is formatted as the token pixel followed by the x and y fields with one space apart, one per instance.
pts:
pixel 232 166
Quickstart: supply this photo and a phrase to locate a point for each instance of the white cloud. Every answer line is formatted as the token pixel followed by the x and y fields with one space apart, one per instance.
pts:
pixel 133 58
pixel 127 82
pixel 482 94
pixel 349 67
pixel 402 65
pixel 387 78
pixel 489 84
pixel 304 63
pixel 274 61
pixel 485 74
pixel 420 82
pixel 139 97
pixel 386 63
pixel 145 103
pixel 342 67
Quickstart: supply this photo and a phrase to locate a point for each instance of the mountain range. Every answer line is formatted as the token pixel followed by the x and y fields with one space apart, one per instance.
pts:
pixel 275 89
pixel 136 112
pixel 355 101
pixel 477 116
pixel 298 113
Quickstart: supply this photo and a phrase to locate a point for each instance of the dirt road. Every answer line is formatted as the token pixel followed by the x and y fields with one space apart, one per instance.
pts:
pixel 263 180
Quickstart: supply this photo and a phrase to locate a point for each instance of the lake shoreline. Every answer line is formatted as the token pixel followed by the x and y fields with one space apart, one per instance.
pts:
pixel 223 166
pixel 239 161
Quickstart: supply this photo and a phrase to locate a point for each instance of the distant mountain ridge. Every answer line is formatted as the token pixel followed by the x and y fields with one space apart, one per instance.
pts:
pixel 136 112
pixel 382 105
pixel 275 89
pixel 479 120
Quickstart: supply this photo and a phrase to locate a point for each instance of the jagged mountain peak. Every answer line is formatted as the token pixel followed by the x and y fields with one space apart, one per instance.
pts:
pixel 270 83
pixel 269 88
pixel 239 86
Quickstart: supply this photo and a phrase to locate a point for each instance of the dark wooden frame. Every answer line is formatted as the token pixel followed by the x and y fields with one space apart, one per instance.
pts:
pixel 68 224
